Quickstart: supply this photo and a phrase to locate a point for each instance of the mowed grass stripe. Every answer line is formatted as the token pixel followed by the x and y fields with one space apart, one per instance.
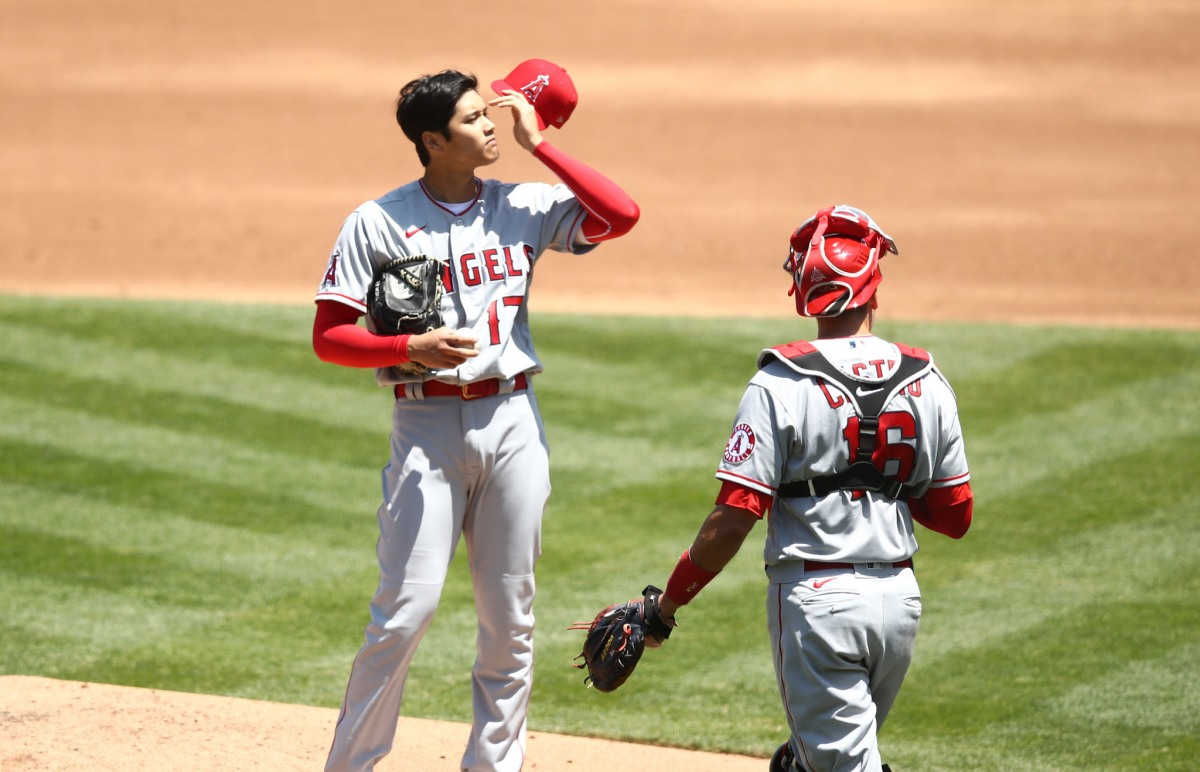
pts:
pixel 60 471
pixel 1121 488
pixel 27 552
pixel 86 618
pixel 280 560
pixel 1023 450
pixel 1159 693
pixel 344 491
pixel 626 399
pixel 1025 677
pixel 159 329
pixel 1048 382
pixel 148 404
pixel 242 380
pixel 993 600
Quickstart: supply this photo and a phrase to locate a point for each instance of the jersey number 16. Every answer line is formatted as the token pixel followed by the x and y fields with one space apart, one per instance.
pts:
pixel 893 456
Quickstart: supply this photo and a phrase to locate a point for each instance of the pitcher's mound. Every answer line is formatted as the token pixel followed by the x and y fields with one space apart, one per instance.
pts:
pixel 67 725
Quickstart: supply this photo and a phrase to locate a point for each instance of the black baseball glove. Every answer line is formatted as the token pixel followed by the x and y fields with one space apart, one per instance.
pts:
pixel 617 637
pixel 405 298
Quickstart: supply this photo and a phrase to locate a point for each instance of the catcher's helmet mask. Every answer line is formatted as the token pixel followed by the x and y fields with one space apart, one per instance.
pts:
pixel 858 244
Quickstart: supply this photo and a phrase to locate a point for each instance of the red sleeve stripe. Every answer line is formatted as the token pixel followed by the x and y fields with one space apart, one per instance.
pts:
pixel 747 479
pixel 955 477
pixel 344 298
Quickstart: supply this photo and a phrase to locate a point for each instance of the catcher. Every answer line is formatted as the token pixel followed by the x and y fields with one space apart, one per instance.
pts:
pixel 844 441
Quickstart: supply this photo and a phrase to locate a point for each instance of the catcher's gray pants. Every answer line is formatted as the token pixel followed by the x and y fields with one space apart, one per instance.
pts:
pixel 841 642
pixel 477 467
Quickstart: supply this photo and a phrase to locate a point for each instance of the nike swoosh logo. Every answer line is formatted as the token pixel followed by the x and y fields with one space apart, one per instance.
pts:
pixel 408 234
pixel 859 391
pixel 823 582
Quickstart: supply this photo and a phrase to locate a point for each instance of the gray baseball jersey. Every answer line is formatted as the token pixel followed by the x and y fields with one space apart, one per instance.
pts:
pixel 792 426
pixel 491 249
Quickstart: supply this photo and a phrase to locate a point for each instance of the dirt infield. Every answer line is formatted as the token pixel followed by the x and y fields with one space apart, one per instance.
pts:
pixel 67 725
pixel 1035 159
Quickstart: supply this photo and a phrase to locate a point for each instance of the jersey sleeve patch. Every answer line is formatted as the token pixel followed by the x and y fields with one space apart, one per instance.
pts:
pixel 741 444
pixel 330 279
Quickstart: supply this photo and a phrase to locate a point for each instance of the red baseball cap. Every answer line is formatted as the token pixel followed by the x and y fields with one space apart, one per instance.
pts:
pixel 547 87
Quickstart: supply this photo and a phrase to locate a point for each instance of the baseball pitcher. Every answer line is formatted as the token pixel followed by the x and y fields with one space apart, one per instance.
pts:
pixel 442 268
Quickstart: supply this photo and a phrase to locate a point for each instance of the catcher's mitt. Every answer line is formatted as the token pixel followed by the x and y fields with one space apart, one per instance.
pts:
pixel 405 298
pixel 617 637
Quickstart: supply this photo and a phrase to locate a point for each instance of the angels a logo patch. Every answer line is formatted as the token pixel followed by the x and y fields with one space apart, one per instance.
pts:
pixel 330 279
pixel 741 444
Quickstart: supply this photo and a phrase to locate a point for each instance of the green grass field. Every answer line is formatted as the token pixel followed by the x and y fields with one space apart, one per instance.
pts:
pixel 187 501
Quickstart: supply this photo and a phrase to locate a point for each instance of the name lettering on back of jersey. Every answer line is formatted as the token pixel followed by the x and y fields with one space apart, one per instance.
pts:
pixel 829 397
pixel 330 279
pixel 495 264
pixel 878 364
pixel 741 444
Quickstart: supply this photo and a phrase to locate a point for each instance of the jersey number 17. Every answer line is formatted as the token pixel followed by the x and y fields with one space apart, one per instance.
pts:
pixel 494 315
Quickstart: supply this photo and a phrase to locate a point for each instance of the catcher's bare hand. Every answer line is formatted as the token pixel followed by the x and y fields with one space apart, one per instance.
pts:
pixel 525 127
pixel 442 348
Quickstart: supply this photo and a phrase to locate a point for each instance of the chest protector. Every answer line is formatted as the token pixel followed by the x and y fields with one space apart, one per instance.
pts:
pixel 868 401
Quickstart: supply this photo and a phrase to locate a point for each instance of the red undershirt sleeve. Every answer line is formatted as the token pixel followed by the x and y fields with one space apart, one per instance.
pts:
pixel 611 212
pixel 337 338
pixel 737 495
pixel 945 510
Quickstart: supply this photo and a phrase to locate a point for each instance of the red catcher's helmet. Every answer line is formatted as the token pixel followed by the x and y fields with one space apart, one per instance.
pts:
pixel 834 261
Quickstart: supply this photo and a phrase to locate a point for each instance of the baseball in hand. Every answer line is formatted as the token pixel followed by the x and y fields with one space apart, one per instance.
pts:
pixel 468 333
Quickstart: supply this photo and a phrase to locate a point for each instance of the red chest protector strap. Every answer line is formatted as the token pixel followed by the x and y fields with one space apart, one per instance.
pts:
pixel 868 400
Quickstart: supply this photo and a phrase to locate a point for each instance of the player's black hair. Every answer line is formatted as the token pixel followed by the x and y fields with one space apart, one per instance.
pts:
pixel 427 104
